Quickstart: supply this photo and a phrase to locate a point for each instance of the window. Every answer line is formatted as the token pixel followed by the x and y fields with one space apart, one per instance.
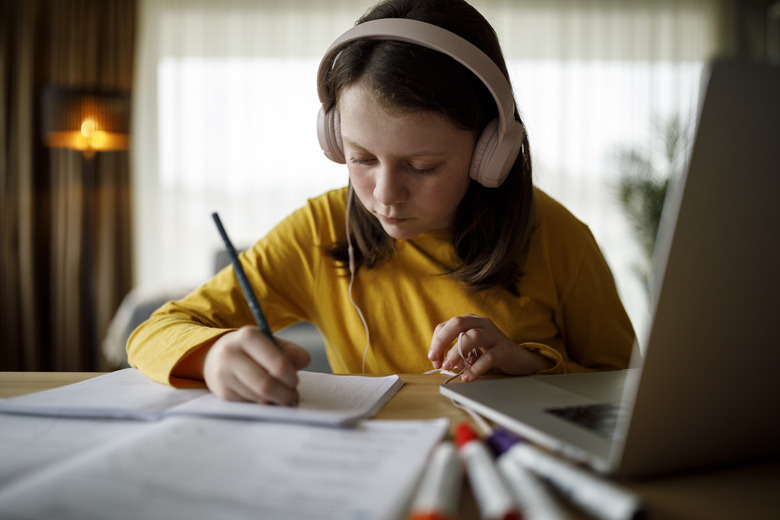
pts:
pixel 226 107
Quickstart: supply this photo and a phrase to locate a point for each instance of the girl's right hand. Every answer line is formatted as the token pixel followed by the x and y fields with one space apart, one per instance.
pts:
pixel 245 365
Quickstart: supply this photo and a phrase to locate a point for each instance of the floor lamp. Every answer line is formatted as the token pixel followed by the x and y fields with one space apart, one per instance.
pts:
pixel 90 121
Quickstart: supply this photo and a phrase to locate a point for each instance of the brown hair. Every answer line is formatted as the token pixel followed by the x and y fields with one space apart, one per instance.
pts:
pixel 492 226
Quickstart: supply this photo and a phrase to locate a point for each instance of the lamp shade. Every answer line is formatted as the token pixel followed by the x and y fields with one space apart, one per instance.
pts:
pixel 86 120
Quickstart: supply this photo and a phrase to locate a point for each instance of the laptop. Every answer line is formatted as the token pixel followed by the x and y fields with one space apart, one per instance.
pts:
pixel 708 389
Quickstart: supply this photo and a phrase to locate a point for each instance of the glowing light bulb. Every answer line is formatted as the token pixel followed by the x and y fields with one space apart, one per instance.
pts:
pixel 88 127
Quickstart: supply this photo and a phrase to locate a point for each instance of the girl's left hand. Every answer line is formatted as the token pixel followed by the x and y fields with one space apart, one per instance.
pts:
pixel 492 349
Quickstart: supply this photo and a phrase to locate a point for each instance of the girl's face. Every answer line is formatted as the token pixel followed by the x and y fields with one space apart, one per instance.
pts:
pixel 410 170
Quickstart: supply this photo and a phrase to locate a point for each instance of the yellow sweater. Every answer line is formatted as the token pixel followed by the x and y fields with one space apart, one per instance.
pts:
pixel 569 309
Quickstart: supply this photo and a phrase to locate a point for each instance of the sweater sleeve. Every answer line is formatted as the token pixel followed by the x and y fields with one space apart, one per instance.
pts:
pixel 598 332
pixel 280 268
pixel 571 278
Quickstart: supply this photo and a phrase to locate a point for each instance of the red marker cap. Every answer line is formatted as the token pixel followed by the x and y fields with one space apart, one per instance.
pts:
pixel 430 516
pixel 464 433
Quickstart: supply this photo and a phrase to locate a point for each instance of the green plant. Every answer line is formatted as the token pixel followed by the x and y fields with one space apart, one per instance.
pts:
pixel 644 177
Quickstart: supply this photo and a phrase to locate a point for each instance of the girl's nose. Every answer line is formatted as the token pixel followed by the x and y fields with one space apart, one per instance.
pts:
pixel 389 188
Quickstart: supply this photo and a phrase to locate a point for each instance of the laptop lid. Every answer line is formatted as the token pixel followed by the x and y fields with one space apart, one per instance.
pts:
pixel 707 390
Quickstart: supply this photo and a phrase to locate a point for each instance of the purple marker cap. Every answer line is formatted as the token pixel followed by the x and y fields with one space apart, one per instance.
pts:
pixel 501 440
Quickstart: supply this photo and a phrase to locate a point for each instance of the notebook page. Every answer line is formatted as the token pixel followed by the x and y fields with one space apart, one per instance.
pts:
pixel 122 394
pixel 325 399
pixel 193 467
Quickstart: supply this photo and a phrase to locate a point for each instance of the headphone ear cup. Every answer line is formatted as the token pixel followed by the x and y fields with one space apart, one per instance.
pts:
pixel 329 135
pixel 482 150
pixel 494 155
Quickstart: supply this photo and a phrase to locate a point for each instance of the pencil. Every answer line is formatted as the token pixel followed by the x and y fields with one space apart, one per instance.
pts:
pixel 243 281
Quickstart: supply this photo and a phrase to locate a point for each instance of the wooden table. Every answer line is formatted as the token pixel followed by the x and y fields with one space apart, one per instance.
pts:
pixel 20 383
pixel 419 398
pixel 746 491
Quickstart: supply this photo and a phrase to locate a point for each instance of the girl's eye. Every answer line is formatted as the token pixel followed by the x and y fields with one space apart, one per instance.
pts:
pixel 354 160
pixel 371 160
pixel 423 170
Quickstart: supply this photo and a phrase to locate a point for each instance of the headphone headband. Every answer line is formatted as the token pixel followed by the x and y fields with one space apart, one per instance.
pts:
pixel 432 37
pixel 495 152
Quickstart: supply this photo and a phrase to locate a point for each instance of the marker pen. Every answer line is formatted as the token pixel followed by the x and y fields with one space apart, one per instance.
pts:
pixel 493 498
pixel 438 495
pixel 597 496
pixel 534 498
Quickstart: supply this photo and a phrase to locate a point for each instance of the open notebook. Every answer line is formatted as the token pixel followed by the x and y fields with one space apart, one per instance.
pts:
pixel 325 399
pixel 707 391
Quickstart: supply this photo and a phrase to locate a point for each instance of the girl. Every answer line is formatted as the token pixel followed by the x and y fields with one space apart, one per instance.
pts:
pixel 439 254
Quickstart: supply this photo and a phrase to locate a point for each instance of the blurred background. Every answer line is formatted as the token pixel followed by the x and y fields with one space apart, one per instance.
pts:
pixel 125 123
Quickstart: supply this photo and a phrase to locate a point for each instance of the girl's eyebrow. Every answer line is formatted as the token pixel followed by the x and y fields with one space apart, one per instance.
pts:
pixel 420 153
pixel 353 144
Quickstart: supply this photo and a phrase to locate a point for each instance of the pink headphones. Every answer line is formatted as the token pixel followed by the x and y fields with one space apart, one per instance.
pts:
pixel 500 142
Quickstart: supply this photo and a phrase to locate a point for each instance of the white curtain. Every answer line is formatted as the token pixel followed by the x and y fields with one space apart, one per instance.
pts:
pixel 225 105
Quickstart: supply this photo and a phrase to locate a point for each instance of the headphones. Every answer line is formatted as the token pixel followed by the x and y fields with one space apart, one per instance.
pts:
pixel 499 144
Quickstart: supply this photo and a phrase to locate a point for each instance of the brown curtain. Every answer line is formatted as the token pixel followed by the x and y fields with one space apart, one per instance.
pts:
pixel 65 220
pixel 749 29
